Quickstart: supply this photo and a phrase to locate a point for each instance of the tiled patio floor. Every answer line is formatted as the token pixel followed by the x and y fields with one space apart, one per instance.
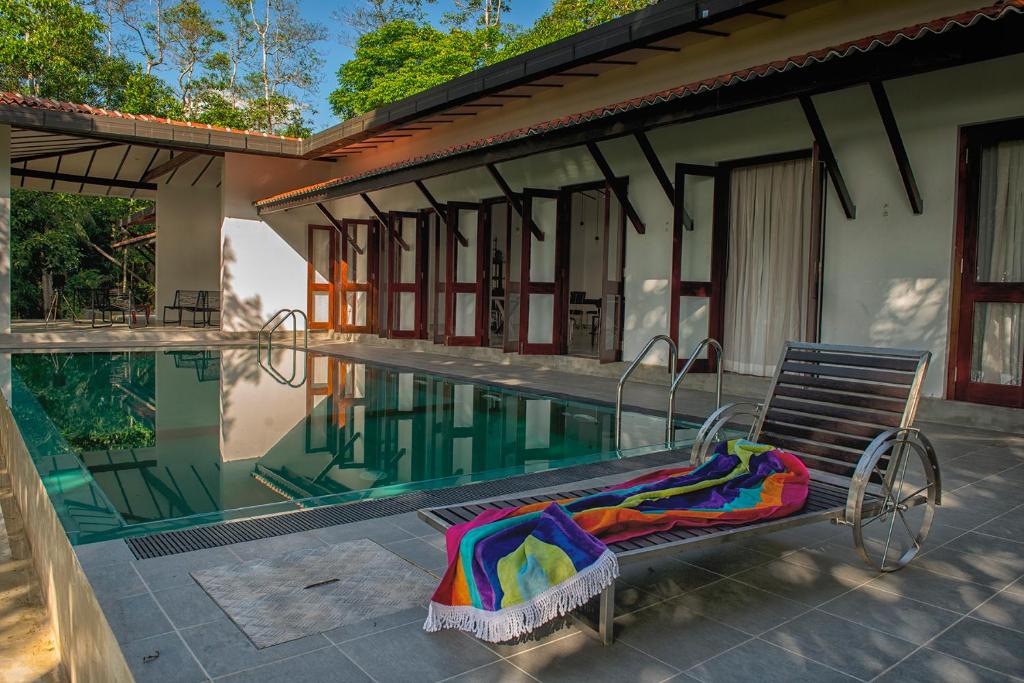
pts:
pixel 794 606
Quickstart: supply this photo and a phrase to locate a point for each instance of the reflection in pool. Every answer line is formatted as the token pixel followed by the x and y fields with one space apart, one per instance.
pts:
pixel 138 441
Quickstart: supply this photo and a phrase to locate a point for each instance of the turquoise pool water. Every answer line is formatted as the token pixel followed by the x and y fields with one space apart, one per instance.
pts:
pixel 133 442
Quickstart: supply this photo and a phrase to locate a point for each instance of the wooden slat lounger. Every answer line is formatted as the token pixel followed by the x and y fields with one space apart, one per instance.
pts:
pixel 848 412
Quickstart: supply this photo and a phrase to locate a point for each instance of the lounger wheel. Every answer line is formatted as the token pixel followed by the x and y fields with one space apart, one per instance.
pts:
pixel 893 497
pixel 714 428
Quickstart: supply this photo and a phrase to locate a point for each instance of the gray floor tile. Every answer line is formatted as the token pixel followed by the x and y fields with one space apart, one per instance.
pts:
pixel 223 648
pixel 312 667
pixel 188 605
pixel 103 553
pixel 135 617
pixel 935 589
pixel 1008 552
pixel 838 559
pixel 114 581
pixel 664 577
pixel 740 606
pixel 929 666
pixel 273 547
pixel 408 653
pixel 412 524
pixel 841 644
pixel 162 659
pixel 414 615
pixel 676 635
pixel 986 644
pixel 1005 609
pixel 379 530
pixel 582 659
pixel 498 672
pixel 173 570
pixel 420 553
pixel 725 559
pixel 548 633
pixel 970 507
pixel 806 584
pixel 891 613
pixel 1009 525
pixel 763 662
pixel 967 567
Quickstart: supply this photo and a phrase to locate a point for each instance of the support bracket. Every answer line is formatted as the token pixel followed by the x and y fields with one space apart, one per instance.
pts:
pixel 513 200
pixel 892 130
pixel 620 193
pixel 442 211
pixel 828 157
pixel 337 226
pixel 661 174
pixel 384 221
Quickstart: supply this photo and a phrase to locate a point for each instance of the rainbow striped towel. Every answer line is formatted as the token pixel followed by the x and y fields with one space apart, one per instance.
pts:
pixel 514 569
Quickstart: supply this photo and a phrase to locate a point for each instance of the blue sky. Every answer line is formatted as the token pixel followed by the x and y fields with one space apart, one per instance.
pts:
pixel 523 13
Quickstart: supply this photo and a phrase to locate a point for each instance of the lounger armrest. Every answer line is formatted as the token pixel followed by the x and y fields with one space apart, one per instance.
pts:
pixel 709 432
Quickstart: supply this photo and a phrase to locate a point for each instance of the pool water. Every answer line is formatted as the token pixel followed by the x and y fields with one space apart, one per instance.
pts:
pixel 133 442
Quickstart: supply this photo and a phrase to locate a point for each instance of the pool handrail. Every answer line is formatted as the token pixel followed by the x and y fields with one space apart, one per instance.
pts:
pixel 708 341
pixel 673 352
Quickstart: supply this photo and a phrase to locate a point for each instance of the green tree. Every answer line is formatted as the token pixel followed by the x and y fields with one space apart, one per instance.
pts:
pixel 568 17
pixel 192 38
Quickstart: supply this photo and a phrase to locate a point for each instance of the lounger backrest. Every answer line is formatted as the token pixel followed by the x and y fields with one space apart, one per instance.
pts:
pixel 827 403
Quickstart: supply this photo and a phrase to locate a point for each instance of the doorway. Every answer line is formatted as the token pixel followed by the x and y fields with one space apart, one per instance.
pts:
pixel 358 258
pixel 408 269
pixel 321 276
pixel 987 339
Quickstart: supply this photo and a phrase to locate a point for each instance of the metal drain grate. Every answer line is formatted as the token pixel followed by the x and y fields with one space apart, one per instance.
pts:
pixel 226 533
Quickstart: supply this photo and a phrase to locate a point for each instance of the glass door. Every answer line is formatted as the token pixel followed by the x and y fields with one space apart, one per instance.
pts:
pixel 357 281
pixel 321 274
pixel 513 276
pixel 408 271
pixel 989 330
pixel 613 281
pixel 544 273
pixel 437 232
pixel 467 315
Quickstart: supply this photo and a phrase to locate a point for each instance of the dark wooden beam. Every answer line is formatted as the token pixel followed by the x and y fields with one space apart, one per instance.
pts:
pixel 63 152
pixel 169 166
pixel 617 188
pixel 514 202
pixel 337 226
pixel 383 218
pixel 766 14
pixel 203 172
pixel 659 172
pixel 828 157
pixel 84 180
pixel 892 130
pixel 442 211
pixel 710 32
pixel 134 240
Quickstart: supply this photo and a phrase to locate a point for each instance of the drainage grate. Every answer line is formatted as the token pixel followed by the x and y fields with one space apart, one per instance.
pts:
pixel 226 533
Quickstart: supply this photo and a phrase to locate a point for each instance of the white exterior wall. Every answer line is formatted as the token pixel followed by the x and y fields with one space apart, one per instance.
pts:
pixel 187 241
pixel 263 259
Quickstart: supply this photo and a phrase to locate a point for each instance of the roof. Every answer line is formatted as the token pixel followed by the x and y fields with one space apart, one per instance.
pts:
pixel 937 26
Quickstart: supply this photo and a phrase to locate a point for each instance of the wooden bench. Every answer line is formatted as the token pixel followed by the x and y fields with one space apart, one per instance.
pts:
pixel 848 412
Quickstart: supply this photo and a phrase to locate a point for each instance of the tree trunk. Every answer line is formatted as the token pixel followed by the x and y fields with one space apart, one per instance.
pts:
pixel 47 289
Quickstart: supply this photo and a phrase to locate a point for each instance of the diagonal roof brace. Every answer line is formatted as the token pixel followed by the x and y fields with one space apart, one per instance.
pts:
pixel 617 187
pixel 828 157
pixel 892 131
pixel 513 200
pixel 337 226
pixel 442 211
pixel 659 172
pixel 383 218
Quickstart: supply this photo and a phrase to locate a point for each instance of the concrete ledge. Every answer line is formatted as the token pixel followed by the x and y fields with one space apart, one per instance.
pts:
pixel 88 648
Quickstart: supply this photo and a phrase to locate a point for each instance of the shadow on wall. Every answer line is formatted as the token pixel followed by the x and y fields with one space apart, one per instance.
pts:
pixel 237 313
pixel 646 316
pixel 912 314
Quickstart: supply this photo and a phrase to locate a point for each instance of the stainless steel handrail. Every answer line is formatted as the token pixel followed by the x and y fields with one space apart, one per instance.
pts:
pixel 709 341
pixel 673 351
pixel 277 320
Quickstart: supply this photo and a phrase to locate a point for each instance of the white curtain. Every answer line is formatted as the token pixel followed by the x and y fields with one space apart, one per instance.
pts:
pixel 766 290
pixel 998 349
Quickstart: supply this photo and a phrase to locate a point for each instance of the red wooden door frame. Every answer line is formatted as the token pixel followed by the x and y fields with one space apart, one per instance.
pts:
pixel 612 284
pixel 419 254
pixel 372 253
pixel 437 231
pixel 478 288
pixel 313 287
pixel 558 288
pixel 966 290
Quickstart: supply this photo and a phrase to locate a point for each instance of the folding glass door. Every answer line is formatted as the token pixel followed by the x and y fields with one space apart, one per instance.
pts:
pixel 408 249
pixel 321 276
pixel 613 268
pixel 358 253
pixel 544 272
pixel 466 291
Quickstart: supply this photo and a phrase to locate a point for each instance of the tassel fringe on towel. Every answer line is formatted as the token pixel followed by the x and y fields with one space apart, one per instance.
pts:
pixel 516 621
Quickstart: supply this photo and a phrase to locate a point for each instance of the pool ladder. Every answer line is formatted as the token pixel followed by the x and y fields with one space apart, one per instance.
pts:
pixel 673 354
pixel 269 328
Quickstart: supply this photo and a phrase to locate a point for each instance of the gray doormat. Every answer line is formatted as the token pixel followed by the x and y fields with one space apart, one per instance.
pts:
pixel 311 591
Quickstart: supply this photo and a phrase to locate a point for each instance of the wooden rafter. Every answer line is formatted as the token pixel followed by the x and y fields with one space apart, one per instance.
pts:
pixel 169 166
pixel 383 218
pixel 617 188
pixel 659 172
pixel 337 226
pixel 84 180
pixel 148 237
pixel 63 152
pixel 441 211
pixel 828 157
pixel 899 150
pixel 513 200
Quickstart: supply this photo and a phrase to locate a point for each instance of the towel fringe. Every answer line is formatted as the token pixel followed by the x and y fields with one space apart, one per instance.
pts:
pixel 515 621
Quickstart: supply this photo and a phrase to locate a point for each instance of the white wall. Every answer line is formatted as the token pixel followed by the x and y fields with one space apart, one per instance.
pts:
pixel 263 259
pixel 187 241
pixel 5 229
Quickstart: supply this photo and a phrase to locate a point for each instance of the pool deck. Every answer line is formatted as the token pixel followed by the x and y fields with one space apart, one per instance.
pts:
pixel 795 606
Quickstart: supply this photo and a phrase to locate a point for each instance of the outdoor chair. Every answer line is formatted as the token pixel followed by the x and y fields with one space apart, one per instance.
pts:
pixel 108 303
pixel 186 300
pixel 848 413
pixel 210 306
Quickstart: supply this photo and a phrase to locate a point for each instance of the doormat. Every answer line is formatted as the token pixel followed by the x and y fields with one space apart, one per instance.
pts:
pixel 310 591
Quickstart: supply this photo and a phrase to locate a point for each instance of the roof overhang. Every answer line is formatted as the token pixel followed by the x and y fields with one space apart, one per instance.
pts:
pixel 986 33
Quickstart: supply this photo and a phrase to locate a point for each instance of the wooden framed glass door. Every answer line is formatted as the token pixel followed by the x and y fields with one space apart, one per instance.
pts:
pixel 544 273
pixel 437 232
pixel 466 290
pixel 987 349
pixel 358 253
pixel 613 267
pixel 321 247
pixel 408 248
pixel 513 277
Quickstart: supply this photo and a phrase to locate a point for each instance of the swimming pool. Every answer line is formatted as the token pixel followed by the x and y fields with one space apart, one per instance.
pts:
pixel 134 442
